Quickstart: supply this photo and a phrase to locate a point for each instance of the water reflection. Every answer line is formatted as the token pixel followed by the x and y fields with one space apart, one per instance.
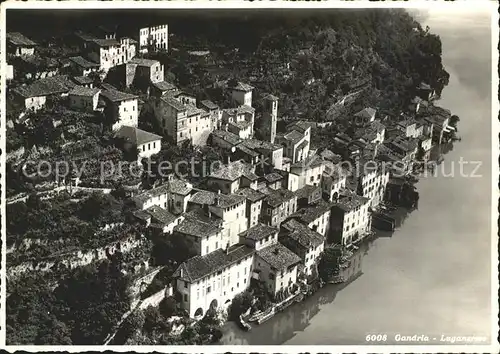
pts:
pixel 285 325
pixel 296 318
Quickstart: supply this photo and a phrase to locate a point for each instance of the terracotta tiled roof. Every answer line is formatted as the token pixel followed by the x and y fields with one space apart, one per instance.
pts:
pixel 279 196
pixel 259 232
pixel 200 266
pixel 117 96
pixel 136 136
pixel 164 86
pixel 143 62
pixel 312 212
pixel 48 86
pixel 84 63
pixel 251 194
pixel 233 171
pixel 242 87
pixel 302 234
pixel 278 256
pixel 19 39
pixel 84 91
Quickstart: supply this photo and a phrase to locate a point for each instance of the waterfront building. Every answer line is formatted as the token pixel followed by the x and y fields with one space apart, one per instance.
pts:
pixel 350 218
pixel 410 127
pixel 212 281
pixel 304 242
pixel 425 91
pixel 439 118
pixel 276 266
pixel 370 179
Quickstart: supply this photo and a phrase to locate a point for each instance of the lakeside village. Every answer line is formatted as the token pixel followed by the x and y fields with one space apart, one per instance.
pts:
pixel 261 235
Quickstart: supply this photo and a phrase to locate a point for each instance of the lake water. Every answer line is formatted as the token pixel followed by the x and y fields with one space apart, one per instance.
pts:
pixel 433 276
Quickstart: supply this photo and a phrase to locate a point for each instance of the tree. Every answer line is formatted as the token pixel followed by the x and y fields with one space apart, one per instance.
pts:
pixel 133 323
pixel 328 265
pixel 240 304
pixel 168 306
pixel 54 332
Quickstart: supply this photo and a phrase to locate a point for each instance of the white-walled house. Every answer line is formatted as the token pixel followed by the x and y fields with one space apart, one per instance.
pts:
pixel 277 266
pixel 212 281
pixel 111 52
pixel 296 142
pixel 159 218
pixel 121 107
pixel 254 204
pixel 141 73
pixel 172 196
pixel 84 98
pixel 316 216
pixel 309 171
pixel 82 66
pixel 19 45
pixel 230 208
pixel 241 93
pixel 373 182
pixel 147 144
pixel 350 218
pixel 233 176
pixel 153 38
pixel 183 122
pixel 303 241
pixel 260 236
pixel 35 95
pixel 204 230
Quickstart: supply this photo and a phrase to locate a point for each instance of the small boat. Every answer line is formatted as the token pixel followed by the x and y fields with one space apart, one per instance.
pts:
pixel 266 315
pixel 255 316
pixel 244 326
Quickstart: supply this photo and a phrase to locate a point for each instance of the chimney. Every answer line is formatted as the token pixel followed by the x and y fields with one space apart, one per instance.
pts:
pixel 227 248
pixel 228 159
pixel 217 198
pixel 276 251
